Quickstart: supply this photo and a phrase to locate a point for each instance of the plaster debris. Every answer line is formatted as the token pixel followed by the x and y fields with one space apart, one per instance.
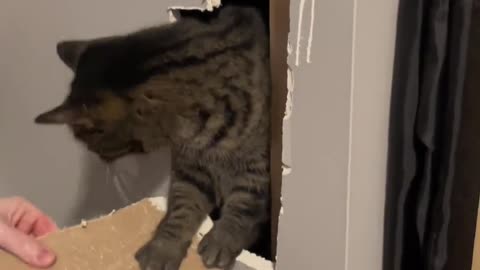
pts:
pixel 286 170
pixel 159 202
pixel 211 4
pixel 289 48
pixel 207 5
pixel 290 88
pixel 84 223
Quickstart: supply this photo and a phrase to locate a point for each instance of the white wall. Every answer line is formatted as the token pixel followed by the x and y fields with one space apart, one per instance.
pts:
pixel 374 47
pixel 333 199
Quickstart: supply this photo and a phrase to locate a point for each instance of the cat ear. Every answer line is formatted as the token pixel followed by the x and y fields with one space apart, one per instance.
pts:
pixel 71 51
pixel 59 115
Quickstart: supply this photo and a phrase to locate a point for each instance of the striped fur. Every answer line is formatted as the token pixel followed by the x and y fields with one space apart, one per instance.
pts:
pixel 202 87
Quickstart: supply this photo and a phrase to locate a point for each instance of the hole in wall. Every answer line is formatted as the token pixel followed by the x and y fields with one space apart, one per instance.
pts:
pixel 266 244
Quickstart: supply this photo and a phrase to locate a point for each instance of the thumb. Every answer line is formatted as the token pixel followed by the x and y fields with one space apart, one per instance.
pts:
pixel 25 247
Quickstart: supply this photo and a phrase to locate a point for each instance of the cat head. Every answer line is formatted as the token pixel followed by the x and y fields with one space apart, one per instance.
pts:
pixel 99 107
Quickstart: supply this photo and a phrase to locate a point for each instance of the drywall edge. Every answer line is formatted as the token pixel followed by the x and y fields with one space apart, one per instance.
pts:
pixel 280 161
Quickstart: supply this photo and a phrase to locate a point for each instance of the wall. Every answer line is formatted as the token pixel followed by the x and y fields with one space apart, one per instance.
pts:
pixel 40 162
pixel 336 136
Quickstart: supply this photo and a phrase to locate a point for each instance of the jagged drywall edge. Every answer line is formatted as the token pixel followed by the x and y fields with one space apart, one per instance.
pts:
pixel 246 258
pixel 208 5
pixel 211 4
pixel 286 129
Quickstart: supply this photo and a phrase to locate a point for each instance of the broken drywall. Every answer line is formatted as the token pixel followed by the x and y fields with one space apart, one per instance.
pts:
pixel 315 134
pixel 207 5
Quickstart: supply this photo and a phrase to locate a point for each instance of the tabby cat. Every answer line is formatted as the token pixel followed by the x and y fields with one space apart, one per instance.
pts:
pixel 201 87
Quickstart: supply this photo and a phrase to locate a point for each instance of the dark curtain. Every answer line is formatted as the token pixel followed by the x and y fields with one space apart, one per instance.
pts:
pixel 427 137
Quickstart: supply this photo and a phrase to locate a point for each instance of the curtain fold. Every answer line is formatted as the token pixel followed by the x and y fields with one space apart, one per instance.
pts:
pixel 426 110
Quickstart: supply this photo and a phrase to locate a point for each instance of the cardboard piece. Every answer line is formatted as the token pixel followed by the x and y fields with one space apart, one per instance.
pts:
pixel 110 242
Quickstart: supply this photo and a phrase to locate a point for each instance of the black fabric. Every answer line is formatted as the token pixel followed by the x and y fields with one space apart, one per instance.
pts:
pixel 426 109
pixel 466 188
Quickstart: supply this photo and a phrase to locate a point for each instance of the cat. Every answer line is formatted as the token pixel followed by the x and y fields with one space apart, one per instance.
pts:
pixel 201 87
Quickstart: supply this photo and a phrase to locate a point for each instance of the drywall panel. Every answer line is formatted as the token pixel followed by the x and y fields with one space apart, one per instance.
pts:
pixel 335 135
pixel 43 163
pixel 374 44
pixel 313 224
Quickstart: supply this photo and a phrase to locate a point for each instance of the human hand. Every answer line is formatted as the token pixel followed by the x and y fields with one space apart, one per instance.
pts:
pixel 21 223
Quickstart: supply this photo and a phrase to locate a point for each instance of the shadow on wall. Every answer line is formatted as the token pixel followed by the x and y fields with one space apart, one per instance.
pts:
pixel 128 180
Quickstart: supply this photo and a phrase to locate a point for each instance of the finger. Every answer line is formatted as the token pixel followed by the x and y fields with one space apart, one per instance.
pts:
pixel 30 220
pixel 24 247
pixel 27 222
pixel 44 226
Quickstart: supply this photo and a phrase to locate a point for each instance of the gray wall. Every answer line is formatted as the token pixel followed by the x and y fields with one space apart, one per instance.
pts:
pixel 43 163
pixel 334 196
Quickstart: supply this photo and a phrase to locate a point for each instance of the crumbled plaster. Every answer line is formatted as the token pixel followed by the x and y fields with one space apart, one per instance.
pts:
pixel 211 4
pixel 286 129
pixel 290 87
pixel 207 5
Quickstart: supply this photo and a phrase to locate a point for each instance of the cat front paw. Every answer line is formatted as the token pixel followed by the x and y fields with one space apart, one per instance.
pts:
pixel 219 249
pixel 161 255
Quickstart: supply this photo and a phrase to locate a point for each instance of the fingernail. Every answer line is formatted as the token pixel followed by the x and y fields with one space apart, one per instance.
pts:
pixel 45 257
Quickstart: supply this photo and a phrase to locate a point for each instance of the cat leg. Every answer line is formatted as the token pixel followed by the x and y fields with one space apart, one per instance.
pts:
pixel 190 200
pixel 244 211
